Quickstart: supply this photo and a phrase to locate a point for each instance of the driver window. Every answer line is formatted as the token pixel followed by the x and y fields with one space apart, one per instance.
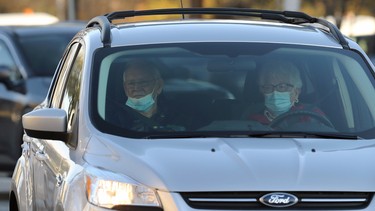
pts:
pixel 69 89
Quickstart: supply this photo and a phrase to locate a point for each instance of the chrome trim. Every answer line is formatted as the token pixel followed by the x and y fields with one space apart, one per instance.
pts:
pixel 333 200
pixel 223 200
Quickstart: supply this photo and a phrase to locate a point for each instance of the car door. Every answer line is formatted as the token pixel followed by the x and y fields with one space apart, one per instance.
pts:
pixel 70 99
pixel 48 154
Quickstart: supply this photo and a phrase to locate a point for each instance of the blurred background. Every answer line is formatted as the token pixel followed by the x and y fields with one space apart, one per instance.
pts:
pixel 355 18
pixel 86 9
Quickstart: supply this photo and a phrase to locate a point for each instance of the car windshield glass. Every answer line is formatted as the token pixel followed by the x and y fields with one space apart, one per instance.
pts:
pixel 205 89
pixel 43 52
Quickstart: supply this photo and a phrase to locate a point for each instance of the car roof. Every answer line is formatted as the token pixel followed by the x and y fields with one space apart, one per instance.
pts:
pixel 220 31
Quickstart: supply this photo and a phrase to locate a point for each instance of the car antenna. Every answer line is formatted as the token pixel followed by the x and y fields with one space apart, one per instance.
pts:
pixel 182 7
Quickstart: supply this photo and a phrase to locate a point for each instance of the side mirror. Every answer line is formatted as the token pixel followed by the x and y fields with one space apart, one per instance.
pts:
pixel 46 123
pixel 5 74
pixel 6 78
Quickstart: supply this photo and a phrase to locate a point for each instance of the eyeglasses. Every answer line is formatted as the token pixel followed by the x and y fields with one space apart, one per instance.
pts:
pixel 282 87
pixel 142 84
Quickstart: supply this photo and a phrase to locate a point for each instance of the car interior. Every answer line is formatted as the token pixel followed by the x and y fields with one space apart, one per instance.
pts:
pixel 221 88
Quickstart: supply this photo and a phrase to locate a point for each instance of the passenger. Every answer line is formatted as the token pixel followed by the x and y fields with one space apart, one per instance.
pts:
pixel 280 83
pixel 144 111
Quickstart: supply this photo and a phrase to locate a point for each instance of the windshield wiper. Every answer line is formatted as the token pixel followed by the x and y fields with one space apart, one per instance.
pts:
pixel 254 134
pixel 288 134
pixel 172 136
pixel 206 134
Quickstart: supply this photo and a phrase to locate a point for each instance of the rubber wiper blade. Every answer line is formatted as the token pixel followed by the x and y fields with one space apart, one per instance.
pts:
pixel 287 134
pixel 211 134
pixel 174 136
pixel 254 134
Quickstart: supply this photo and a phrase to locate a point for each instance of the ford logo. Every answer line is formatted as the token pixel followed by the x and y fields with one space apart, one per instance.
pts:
pixel 278 199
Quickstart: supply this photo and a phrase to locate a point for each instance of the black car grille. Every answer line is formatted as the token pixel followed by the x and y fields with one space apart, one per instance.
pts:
pixel 251 200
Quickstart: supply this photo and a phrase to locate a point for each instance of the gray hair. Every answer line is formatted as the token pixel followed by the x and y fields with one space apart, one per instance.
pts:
pixel 280 68
pixel 145 65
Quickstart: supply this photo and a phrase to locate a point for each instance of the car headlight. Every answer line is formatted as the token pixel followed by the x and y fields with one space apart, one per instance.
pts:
pixel 109 190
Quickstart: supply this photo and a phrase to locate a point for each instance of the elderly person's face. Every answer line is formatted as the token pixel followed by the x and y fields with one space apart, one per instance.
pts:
pixel 280 83
pixel 139 83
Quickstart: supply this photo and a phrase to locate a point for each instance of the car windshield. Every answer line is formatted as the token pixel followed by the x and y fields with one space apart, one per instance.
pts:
pixel 43 52
pixel 232 89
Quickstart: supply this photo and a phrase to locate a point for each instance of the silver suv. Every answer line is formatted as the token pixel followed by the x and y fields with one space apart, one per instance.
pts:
pixel 255 110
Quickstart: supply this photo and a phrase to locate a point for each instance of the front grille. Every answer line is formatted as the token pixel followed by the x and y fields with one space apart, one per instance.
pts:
pixel 251 200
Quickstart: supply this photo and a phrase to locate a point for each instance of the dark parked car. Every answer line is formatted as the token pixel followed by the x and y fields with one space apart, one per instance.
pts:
pixel 28 59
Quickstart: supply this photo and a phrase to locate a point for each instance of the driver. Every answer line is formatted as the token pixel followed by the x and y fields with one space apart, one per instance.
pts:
pixel 142 86
pixel 143 108
pixel 280 83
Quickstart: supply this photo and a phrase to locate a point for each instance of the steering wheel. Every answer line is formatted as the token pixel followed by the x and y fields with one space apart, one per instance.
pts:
pixel 301 113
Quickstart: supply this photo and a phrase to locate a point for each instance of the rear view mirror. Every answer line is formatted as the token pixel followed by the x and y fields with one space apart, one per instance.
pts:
pixel 6 74
pixel 230 64
pixel 46 123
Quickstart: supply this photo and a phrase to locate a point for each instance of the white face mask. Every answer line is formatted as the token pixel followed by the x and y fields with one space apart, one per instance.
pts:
pixel 278 102
pixel 141 104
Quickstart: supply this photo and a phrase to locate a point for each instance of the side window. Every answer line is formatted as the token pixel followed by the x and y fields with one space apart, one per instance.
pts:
pixel 70 98
pixel 63 72
pixel 66 94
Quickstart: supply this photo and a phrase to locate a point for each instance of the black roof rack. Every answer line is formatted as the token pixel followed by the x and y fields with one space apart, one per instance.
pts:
pixel 292 17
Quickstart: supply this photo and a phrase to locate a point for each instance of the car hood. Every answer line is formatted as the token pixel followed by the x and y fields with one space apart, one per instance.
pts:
pixel 239 164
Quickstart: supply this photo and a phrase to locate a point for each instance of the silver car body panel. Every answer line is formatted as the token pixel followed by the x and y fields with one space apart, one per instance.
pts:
pixel 287 164
pixel 219 31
